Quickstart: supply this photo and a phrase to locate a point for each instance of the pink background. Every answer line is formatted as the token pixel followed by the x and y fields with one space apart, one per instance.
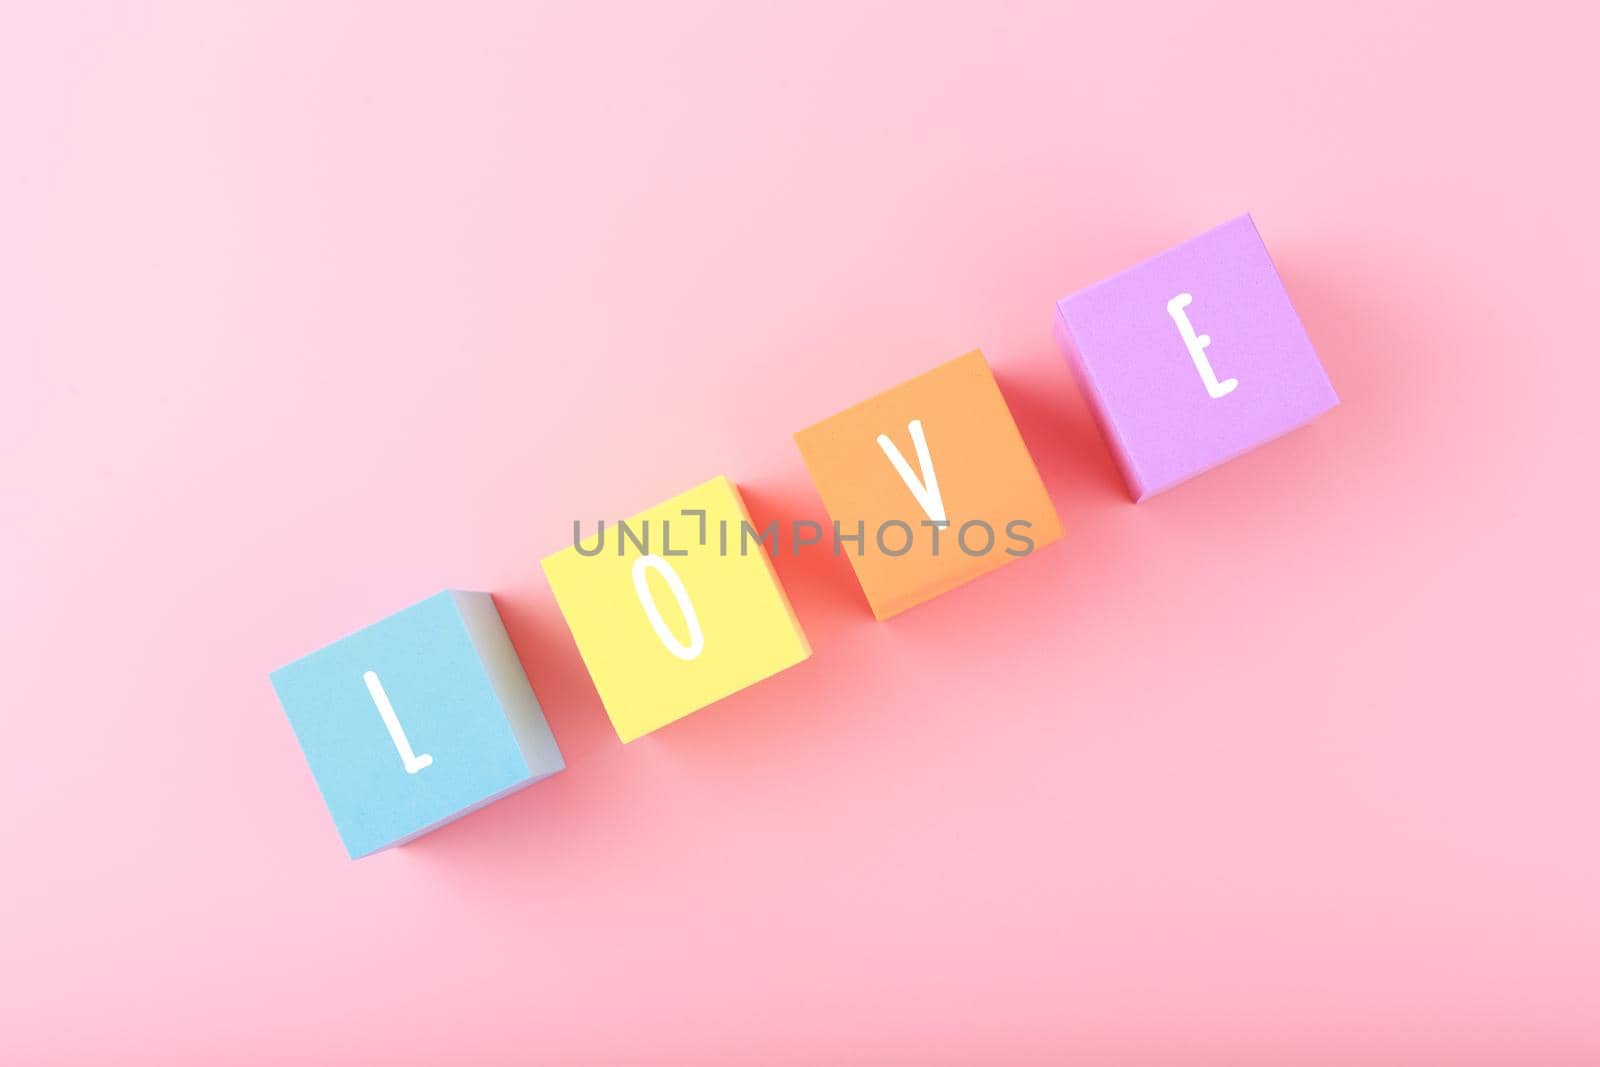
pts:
pixel 308 312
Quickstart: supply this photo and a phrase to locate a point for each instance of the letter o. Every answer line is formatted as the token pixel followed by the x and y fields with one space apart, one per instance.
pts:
pixel 647 600
pixel 961 537
pixel 904 526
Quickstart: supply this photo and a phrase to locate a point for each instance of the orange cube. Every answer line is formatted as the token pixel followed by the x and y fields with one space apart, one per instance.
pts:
pixel 929 485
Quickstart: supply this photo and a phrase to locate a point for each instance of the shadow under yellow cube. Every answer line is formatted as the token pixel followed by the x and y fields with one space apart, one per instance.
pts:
pixel 675 608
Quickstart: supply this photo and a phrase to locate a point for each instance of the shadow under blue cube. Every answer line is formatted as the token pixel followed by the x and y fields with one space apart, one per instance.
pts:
pixel 417 720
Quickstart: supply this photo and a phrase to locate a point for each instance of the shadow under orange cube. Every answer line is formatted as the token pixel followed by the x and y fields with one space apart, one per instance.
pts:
pixel 937 481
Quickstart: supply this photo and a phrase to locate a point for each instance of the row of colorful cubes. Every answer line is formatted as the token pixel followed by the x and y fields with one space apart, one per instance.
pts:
pixel 1187 360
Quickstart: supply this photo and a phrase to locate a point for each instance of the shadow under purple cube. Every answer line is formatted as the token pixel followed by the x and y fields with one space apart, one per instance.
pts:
pixel 1192 358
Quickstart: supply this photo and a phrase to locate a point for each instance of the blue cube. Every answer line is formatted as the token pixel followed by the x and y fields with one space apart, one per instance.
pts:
pixel 417 720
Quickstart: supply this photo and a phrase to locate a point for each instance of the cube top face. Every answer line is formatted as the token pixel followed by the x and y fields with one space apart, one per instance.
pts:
pixel 416 720
pixel 941 446
pixel 1193 357
pixel 679 613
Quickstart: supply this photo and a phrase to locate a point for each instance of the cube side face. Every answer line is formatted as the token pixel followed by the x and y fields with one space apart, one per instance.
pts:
pixel 401 726
pixel 1194 357
pixel 985 477
pixel 722 620
pixel 518 702
pixel 1091 394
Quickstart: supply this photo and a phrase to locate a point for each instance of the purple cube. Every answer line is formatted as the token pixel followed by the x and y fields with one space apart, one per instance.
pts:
pixel 1192 358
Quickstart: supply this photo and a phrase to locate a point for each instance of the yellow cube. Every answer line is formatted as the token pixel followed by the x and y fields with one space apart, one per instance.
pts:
pixel 675 608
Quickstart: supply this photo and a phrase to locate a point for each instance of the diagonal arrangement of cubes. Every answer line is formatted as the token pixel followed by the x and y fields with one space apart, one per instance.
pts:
pixel 1187 360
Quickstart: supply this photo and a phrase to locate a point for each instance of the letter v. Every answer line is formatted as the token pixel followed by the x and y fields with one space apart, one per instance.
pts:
pixel 927 490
